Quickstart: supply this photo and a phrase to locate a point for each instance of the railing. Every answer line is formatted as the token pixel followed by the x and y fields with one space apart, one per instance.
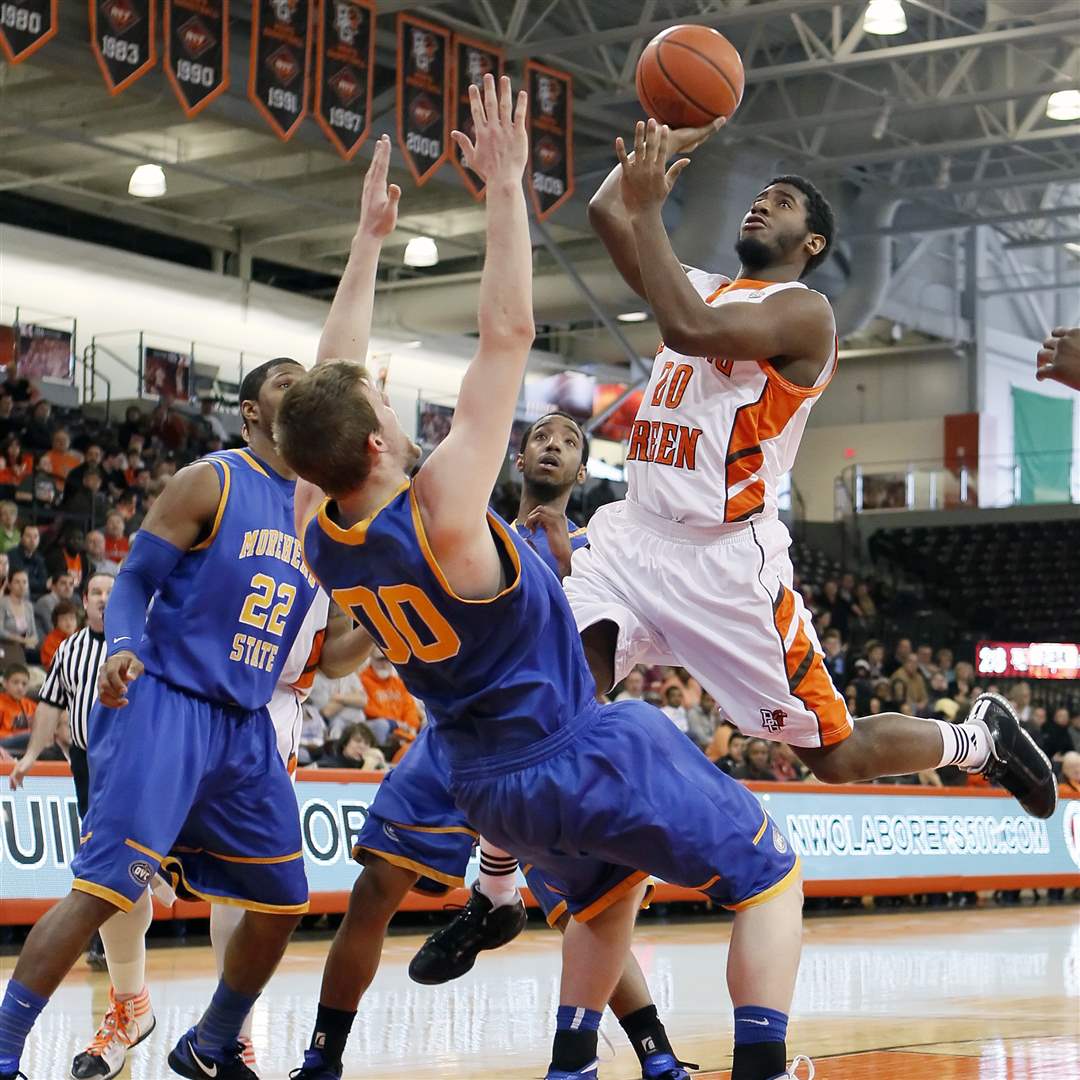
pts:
pixel 90 378
pixel 992 480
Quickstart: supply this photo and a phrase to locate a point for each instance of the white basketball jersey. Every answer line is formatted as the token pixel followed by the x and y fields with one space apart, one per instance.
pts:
pixel 713 437
pixel 298 671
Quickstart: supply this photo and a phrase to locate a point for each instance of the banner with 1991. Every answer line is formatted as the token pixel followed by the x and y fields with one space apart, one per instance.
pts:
pixel 280 53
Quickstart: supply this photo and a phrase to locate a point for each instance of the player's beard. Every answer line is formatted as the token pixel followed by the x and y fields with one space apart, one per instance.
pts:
pixel 544 491
pixel 754 254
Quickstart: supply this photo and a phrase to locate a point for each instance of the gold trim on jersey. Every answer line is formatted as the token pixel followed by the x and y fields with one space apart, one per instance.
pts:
pixel 226 483
pixel 612 896
pixel 103 893
pixel 240 453
pixel 417 868
pixel 436 569
pixel 175 868
pixel 354 534
pixel 437 829
pixel 761 831
pixel 145 850
pixel 785 883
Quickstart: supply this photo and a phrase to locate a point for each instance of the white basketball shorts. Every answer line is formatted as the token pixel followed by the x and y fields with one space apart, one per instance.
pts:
pixel 287 713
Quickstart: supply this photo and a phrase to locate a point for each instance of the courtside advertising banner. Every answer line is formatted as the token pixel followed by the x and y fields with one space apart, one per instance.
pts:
pixel 423 95
pixel 124 40
pixel 551 137
pixel 197 51
pixel 25 25
pixel 859 840
pixel 280 54
pixel 472 61
pixel 344 72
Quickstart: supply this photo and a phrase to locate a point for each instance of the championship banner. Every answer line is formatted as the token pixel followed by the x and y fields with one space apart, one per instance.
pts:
pixel 423 95
pixel 551 137
pixel 197 51
pixel 278 85
pixel 124 40
pixel 472 61
pixel 344 72
pixel 25 25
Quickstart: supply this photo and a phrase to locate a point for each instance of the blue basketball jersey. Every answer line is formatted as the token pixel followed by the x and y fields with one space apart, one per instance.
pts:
pixel 538 541
pixel 223 622
pixel 496 675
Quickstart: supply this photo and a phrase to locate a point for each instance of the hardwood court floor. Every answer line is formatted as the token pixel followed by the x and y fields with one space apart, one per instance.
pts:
pixel 991 994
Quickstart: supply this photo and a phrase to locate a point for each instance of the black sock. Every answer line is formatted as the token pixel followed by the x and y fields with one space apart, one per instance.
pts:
pixel 331 1034
pixel 646 1033
pixel 759 1061
pixel 573 1050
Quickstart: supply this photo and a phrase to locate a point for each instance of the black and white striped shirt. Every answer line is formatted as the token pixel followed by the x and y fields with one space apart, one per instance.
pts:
pixel 72 679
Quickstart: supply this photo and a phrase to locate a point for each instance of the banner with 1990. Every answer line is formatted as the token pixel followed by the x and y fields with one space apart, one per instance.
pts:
pixel 197 51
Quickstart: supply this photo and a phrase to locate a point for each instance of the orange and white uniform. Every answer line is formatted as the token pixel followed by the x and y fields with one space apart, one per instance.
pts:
pixel 286 707
pixel 693 565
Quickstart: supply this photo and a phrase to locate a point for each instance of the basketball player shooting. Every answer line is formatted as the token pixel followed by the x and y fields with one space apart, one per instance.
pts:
pixel 693 567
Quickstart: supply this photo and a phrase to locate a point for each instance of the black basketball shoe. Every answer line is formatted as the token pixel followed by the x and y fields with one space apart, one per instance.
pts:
pixel 1015 762
pixel 450 952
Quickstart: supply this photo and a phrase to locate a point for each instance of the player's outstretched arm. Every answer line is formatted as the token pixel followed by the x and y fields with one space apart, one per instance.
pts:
pixel 347 330
pixel 793 325
pixel 610 220
pixel 345 647
pixel 1059 358
pixel 42 735
pixel 455 484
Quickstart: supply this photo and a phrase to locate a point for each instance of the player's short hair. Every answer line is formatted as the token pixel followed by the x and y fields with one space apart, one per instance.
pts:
pixel 323 424
pixel 254 379
pixel 62 609
pixel 16 669
pixel 820 217
pixel 527 433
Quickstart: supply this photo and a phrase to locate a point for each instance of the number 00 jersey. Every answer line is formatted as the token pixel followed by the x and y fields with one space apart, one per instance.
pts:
pixel 225 619
pixel 713 437
pixel 496 675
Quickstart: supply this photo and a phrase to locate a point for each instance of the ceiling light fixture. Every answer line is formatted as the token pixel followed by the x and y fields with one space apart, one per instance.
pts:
pixel 633 316
pixel 1074 248
pixel 884 17
pixel 147 182
pixel 1063 105
pixel 421 251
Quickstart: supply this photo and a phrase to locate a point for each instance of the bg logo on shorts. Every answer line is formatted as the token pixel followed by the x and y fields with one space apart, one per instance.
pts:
pixel 141 872
pixel 773 719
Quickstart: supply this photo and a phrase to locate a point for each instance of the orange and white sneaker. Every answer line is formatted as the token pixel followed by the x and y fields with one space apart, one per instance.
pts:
pixel 125 1025
pixel 248 1052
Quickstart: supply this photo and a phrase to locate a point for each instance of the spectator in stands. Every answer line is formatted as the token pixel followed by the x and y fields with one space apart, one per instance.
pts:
pixel 355 749
pixel 87 501
pixel 133 463
pixel 162 471
pixel 134 424
pixel 170 428
pixel 61 591
pixel 702 720
pixel 1074 731
pixel 756 765
pixel 925 655
pixel 92 459
pixel 901 653
pixel 917 692
pixel 28 558
pixel 100 563
pixel 65 621
pixel 963 679
pixel 5 572
pixel 117 544
pixel 1070 772
pixel 835 657
pixel 945 664
pixel 633 687
pixel 785 766
pixel 70 556
pixel 9 422
pixel 39 431
pixel 15 707
pixel 862 684
pixel 60 459
pixel 9 526
pixel 312 736
pixel 898 693
pixel 674 710
pixel 387 699
pixel 17 465
pixel 1055 739
pixel 340 702
pixel 127 506
pixel 865 605
pixel 1036 722
pixel 17 624
pixel 1020 696
pixel 208 425
pixel 875 657
pixel 734 759
pixel 838 609
pixel 113 465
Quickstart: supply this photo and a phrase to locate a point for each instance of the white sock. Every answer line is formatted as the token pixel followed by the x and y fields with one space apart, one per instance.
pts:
pixel 224 919
pixel 966 745
pixel 124 939
pixel 498 875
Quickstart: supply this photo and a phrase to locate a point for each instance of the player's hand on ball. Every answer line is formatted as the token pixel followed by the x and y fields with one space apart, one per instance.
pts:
pixel 379 200
pixel 1059 358
pixel 686 140
pixel 646 181
pixel 117 673
pixel 501 145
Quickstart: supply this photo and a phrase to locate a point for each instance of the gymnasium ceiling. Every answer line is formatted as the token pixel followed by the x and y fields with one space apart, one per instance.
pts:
pixel 949 116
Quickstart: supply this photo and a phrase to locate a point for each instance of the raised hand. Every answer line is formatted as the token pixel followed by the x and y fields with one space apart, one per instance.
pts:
pixel 501 145
pixel 685 140
pixel 1059 358
pixel 379 200
pixel 646 180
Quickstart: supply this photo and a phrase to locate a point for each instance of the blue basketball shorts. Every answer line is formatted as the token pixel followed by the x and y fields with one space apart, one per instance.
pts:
pixel 196 789
pixel 619 794
pixel 413 822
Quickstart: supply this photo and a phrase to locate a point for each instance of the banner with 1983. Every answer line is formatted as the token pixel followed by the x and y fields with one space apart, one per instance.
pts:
pixel 551 137
pixel 423 93
pixel 123 37
pixel 344 72
pixel 197 51
pixel 278 81
pixel 472 61
pixel 25 25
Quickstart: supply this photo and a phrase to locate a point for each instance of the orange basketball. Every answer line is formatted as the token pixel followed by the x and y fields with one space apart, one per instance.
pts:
pixel 690 75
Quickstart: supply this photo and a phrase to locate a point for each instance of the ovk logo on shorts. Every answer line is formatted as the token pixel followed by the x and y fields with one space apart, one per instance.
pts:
pixel 1072 829
pixel 141 872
